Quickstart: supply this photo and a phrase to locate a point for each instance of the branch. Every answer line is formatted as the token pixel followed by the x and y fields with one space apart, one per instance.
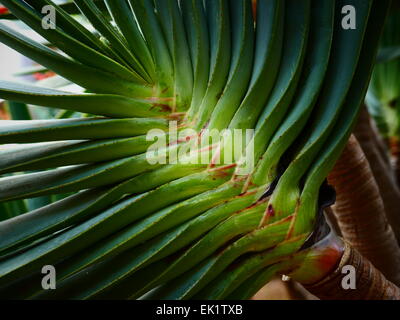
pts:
pixel 360 212
pixel 371 284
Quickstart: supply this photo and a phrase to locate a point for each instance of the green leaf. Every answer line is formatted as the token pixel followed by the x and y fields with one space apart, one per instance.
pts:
pixel 267 59
pixel 342 130
pixel 126 22
pixel 297 24
pixel 102 24
pixel 72 178
pixel 76 129
pixel 156 249
pixel 64 154
pixel 43 221
pixel 312 77
pixel 150 27
pixel 83 235
pixel 198 40
pixel 241 59
pixel 218 20
pixel 175 33
pixel 99 104
pixel 231 279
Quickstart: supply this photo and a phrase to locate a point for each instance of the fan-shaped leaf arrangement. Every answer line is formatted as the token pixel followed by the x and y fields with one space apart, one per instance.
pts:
pixel 136 225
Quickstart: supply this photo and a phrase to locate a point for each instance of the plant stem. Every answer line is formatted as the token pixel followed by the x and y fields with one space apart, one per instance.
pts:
pixel 360 211
pixel 371 283
pixel 381 169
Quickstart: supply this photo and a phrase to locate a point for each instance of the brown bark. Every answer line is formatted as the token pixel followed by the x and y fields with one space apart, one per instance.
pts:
pixel 378 158
pixel 370 282
pixel 360 211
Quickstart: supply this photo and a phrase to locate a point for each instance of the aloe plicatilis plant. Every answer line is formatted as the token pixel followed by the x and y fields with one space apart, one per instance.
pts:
pixel 287 70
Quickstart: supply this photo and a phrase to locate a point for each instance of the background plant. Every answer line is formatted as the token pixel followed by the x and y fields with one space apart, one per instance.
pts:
pixel 292 73
pixel 384 90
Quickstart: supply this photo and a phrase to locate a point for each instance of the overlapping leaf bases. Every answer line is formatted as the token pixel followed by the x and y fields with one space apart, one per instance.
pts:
pixel 178 231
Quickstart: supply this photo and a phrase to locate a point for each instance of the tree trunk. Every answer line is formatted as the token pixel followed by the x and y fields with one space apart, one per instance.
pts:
pixel 359 210
pixel 378 158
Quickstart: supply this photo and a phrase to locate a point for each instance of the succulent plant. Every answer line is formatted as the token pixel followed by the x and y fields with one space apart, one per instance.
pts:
pixel 290 72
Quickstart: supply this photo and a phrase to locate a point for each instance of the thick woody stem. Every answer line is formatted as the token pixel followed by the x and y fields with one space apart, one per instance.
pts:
pixel 370 283
pixel 360 212
pixel 378 158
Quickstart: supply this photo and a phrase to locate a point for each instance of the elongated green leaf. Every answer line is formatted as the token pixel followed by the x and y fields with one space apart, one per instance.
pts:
pixel 73 178
pixel 175 34
pixel 242 58
pixel 150 227
pixel 64 154
pixel 100 226
pixel 150 27
pixel 75 207
pixel 315 67
pixel 20 111
pixel 154 250
pixel 233 227
pixel 100 104
pixel 268 49
pixel 219 23
pixel 297 24
pixel 40 222
pixel 198 41
pixel 118 44
pixel 342 130
pixel 125 20
pixel 228 281
pixel 345 54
